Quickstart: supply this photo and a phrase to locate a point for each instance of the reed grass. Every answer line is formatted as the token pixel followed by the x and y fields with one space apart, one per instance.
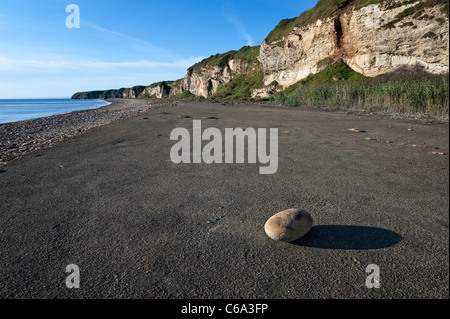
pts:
pixel 426 95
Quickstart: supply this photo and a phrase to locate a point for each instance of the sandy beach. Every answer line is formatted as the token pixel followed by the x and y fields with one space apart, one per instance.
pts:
pixel 140 226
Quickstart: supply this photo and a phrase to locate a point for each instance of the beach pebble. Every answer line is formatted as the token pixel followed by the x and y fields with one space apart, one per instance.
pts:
pixel 288 225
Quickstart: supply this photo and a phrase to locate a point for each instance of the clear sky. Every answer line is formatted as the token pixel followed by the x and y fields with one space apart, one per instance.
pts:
pixel 123 43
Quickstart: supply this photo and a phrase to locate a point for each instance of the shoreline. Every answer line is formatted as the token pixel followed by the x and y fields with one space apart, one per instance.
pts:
pixel 50 115
pixel 23 137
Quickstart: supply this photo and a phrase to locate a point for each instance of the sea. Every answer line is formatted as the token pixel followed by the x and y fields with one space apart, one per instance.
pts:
pixel 27 109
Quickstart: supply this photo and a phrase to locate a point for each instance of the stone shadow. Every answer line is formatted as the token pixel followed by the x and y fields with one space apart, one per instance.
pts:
pixel 348 237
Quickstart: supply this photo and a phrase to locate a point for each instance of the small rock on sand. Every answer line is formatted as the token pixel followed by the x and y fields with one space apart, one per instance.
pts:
pixel 356 130
pixel 288 225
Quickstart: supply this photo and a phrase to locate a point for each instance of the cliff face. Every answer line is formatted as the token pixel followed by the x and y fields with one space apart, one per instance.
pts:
pixel 157 90
pixel 205 83
pixel 204 78
pixel 382 45
pixel 122 93
pixel 372 39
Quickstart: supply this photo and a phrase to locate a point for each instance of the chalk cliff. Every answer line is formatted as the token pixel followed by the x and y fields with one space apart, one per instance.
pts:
pixel 204 78
pixel 372 37
pixel 372 40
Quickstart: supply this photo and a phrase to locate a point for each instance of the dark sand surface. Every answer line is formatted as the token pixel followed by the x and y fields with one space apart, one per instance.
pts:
pixel 140 226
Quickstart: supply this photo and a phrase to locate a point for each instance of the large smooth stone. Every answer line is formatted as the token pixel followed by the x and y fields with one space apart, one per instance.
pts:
pixel 288 225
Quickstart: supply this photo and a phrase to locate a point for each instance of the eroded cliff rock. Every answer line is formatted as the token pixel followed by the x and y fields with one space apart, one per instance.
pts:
pixel 204 78
pixel 372 40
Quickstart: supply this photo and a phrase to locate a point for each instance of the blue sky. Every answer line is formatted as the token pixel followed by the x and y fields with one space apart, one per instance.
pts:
pixel 123 43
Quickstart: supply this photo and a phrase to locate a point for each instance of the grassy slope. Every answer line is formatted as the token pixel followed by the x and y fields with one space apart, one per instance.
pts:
pixel 185 95
pixel 240 87
pixel 338 72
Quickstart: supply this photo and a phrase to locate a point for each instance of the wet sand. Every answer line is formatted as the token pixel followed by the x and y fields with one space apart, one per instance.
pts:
pixel 140 226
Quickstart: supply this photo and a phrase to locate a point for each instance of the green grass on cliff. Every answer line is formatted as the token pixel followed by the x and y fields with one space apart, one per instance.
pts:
pixel 338 72
pixel 282 29
pixel 323 9
pixel 247 53
pixel 185 95
pixel 417 10
pixel 363 3
pixel 240 87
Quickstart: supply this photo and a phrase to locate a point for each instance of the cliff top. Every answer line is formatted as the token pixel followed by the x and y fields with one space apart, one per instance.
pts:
pixel 246 53
pixel 327 8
